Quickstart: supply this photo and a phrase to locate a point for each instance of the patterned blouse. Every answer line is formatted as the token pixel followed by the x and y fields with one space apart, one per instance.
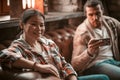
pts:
pixel 49 55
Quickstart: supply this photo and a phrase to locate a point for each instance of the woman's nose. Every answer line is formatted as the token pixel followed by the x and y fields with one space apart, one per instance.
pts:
pixel 39 27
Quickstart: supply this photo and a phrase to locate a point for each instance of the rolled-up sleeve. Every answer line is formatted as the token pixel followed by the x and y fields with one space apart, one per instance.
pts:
pixel 65 68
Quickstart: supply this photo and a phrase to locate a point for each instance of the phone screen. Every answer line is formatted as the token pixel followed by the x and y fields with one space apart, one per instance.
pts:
pixel 106 41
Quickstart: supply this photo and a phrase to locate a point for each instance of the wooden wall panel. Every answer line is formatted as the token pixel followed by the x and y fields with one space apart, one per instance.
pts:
pixel 4 8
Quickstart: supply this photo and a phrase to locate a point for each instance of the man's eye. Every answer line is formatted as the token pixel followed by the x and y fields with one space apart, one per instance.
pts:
pixel 42 25
pixel 98 14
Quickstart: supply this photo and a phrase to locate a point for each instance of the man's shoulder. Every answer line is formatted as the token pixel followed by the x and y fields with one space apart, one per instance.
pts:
pixel 108 18
pixel 82 28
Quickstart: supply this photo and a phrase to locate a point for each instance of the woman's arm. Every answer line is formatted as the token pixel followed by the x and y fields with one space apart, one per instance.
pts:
pixel 67 70
pixel 46 68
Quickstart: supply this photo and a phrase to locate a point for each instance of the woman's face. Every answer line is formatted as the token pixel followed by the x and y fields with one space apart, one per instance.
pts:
pixel 34 27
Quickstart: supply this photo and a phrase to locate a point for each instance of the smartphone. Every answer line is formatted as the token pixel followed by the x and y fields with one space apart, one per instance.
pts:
pixel 106 41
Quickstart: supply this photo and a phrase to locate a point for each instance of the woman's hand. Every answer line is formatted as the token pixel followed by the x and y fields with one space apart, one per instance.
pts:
pixel 47 68
pixel 42 68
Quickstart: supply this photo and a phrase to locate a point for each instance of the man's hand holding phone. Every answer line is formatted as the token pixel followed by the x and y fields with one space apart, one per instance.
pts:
pixel 94 44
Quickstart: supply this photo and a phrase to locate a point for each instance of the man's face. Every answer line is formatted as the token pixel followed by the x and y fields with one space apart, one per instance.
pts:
pixel 94 15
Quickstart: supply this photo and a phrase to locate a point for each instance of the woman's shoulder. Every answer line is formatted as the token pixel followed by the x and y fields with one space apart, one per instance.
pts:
pixel 20 43
pixel 46 41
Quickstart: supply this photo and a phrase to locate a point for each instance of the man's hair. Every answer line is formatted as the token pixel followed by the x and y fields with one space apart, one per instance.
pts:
pixel 93 3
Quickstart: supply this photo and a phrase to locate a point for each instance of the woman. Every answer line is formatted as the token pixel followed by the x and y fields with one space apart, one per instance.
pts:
pixel 33 52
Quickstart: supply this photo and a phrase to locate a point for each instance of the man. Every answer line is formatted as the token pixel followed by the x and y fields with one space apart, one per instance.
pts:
pixel 95 45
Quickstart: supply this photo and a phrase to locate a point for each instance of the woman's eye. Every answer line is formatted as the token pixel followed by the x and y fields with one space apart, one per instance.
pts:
pixel 36 25
pixel 33 24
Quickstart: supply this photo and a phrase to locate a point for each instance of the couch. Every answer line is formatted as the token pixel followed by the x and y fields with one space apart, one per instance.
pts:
pixel 62 37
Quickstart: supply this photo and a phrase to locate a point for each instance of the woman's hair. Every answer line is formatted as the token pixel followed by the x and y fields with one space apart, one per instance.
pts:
pixel 93 3
pixel 27 14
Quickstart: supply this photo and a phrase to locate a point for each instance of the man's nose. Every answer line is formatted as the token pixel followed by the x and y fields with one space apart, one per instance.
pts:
pixel 95 17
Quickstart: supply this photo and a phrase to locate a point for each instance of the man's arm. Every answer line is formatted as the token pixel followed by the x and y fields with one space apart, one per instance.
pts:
pixel 80 56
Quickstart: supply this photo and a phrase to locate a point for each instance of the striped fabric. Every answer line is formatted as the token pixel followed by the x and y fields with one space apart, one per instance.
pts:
pixel 49 55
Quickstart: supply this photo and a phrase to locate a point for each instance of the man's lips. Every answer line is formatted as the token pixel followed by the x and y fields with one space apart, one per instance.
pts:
pixel 37 33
